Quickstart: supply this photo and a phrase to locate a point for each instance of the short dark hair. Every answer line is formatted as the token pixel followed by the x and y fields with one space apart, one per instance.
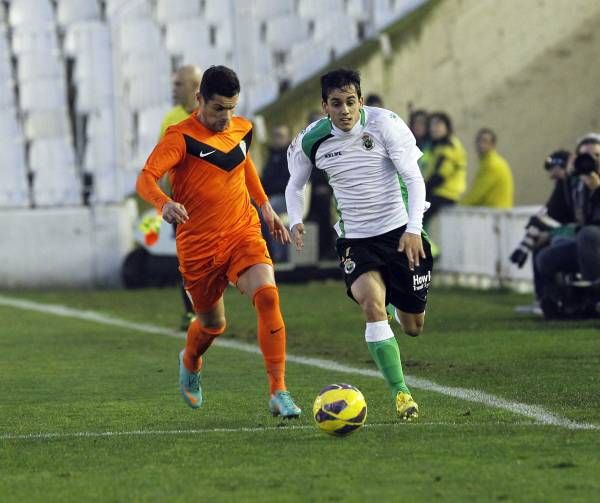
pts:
pixel 219 80
pixel 588 139
pixel 338 79
pixel 443 117
pixel 488 131
pixel 559 158
pixel 415 114
pixel 373 100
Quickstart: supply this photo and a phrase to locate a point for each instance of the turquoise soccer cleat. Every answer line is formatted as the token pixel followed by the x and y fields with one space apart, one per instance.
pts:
pixel 190 385
pixel 282 404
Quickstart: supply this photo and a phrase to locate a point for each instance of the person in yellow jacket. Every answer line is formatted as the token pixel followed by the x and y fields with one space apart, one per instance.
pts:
pixel 446 172
pixel 186 82
pixel 493 186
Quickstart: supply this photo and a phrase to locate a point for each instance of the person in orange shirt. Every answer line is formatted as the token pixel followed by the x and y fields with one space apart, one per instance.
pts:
pixel 218 235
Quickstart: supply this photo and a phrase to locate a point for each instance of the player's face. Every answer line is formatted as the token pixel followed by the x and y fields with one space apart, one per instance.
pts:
pixel 343 107
pixel 216 113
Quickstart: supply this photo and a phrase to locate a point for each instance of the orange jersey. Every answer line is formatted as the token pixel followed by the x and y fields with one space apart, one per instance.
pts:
pixel 213 176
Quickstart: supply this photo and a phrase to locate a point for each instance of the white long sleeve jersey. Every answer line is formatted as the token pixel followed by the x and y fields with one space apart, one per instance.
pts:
pixel 368 167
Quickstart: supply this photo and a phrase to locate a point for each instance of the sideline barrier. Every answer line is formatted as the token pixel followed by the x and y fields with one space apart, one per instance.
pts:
pixel 475 245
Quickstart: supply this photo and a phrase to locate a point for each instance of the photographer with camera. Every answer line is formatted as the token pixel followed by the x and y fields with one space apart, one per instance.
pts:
pixel 550 223
pixel 573 263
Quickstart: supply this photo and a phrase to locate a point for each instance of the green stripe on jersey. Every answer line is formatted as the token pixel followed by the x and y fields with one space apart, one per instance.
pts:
pixel 318 132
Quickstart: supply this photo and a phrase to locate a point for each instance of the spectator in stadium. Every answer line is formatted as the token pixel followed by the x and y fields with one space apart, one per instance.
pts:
pixel 370 158
pixel 374 100
pixel 218 234
pixel 418 124
pixel 185 86
pixel 581 252
pixel 493 186
pixel 274 177
pixel 185 82
pixel 446 173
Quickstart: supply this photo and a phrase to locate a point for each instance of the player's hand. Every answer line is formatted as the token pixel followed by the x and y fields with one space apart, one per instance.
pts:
pixel 174 213
pixel 274 224
pixel 297 233
pixel 412 245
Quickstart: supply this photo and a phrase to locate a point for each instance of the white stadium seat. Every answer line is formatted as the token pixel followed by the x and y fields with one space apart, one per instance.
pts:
pixel 100 123
pixel 89 43
pixel 264 9
pixel 283 32
pixel 43 94
pixel 36 65
pixel 51 153
pixel 28 39
pixel 173 10
pixel 46 123
pixel 139 36
pixel 13 173
pixel 187 33
pixel 144 92
pixel 31 13
pixel 311 8
pixel 120 10
pixel 72 11
pixel 55 181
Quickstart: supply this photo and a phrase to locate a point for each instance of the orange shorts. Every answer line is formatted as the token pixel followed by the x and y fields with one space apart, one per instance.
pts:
pixel 205 280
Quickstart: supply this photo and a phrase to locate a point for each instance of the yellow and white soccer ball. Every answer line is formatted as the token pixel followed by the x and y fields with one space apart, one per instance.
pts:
pixel 340 409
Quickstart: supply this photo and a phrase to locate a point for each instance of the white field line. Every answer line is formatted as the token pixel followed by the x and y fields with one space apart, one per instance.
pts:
pixel 534 412
pixel 257 429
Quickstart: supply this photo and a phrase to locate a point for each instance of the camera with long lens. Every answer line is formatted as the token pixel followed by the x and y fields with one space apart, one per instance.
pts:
pixel 537 225
pixel 585 164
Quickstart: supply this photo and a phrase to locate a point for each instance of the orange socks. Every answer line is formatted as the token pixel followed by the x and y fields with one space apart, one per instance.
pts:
pixel 198 340
pixel 271 335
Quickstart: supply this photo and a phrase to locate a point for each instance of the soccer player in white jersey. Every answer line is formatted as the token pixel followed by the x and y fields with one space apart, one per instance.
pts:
pixel 370 158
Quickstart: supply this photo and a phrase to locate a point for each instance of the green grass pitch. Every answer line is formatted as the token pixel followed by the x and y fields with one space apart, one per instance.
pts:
pixel 107 423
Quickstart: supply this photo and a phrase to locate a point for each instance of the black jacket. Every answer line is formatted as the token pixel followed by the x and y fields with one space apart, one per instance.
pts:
pixel 275 174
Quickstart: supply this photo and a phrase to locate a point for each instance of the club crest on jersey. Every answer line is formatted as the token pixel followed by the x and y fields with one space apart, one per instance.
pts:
pixel 243 147
pixel 349 266
pixel 368 143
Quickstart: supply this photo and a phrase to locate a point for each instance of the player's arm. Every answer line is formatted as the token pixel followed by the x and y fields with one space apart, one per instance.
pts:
pixel 404 153
pixel 167 154
pixel 300 167
pixel 258 195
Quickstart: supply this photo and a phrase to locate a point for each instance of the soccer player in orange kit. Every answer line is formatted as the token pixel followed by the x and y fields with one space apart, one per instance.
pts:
pixel 218 233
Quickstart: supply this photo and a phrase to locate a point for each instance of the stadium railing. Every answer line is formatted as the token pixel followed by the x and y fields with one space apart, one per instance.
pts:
pixel 475 245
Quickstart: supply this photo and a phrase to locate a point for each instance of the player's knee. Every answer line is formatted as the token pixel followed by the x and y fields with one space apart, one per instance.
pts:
pixel 373 308
pixel 413 327
pixel 216 325
pixel 266 298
